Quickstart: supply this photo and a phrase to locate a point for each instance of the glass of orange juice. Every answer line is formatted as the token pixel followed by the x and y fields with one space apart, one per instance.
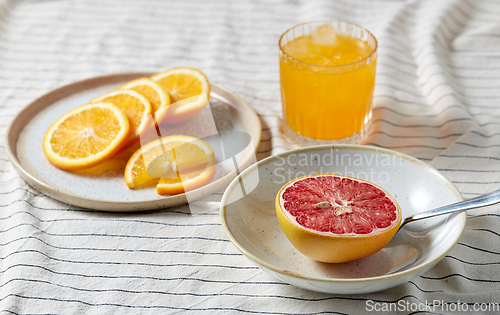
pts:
pixel 327 74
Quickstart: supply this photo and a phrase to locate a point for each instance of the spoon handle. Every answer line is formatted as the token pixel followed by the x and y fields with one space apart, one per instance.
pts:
pixel 476 202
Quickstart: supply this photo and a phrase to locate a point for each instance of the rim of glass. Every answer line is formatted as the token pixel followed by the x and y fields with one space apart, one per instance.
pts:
pixel 329 66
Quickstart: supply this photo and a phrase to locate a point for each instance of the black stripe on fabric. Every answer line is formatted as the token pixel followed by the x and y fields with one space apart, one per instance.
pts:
pixel 48 209
pixel 414 115
pixel 472 263
pixel 458 85
pixel 108 220
pixel 470 157
pixel 9 180
pixel 98 16
pixel 75 209
pixel 484 215
pixel 184 212
pixel 116 249
pixel 408 146
pixel 345 7
pixel 12 312
pixel 256 97
pixel 172 293
pixel 276 35
pixel 484 135
pixel 67 220
pixel 461 276
pixel 376 96
pixel 410 126
pixel 210 309
pixel 89 262
pixel 439 37
pixel 476 183
pixel 440 137
pixel 265 82
pixel 422 290
pixel 105 235
pixel 206 26
pixel 486 230
pixel 446 83
pixel 141 277
pixel 12 191
pixel 223 281
pixel 479 249
pixel 477 146
pixel 415 136
pixel 261 81
pixel 189 279
pixel 413 103
pixel 239 70
pixel 427 126
pixel 397 18
pixel 424 68
pixel 488 115
pixel 440 40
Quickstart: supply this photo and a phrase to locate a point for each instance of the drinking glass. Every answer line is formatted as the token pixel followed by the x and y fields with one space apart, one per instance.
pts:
pixel 327 76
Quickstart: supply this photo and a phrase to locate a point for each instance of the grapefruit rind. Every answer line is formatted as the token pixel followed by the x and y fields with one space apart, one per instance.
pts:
pixel 329 247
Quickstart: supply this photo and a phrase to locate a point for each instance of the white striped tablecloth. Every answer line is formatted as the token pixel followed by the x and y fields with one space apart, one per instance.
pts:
pixel 436 98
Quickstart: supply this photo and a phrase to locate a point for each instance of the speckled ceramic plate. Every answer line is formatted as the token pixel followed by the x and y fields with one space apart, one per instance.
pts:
pixel 103 187
pixel 249 218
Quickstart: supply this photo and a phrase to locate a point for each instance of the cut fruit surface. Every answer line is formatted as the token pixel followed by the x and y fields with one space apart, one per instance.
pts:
pixel 334 218
pixel 86 136
pixel 189 92
pixel 137 108
pixel 183 163
pixel 155 93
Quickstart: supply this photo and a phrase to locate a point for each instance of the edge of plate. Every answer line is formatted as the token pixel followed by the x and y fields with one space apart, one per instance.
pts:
pixel 408 272
pixel 27 113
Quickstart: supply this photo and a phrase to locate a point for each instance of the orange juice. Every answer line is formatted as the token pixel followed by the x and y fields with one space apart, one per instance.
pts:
pixel 327 74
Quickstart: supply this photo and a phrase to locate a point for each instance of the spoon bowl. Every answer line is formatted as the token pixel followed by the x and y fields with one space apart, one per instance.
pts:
pixel 473 203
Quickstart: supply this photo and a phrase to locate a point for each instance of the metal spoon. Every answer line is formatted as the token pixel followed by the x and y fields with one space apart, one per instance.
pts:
pixel 476 202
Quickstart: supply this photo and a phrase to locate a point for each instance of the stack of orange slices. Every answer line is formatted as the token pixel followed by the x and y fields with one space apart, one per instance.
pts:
pixel 93 133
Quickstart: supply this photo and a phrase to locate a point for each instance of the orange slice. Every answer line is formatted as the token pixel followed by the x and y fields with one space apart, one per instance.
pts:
pixel 86 136
pixel 189 91
pixel 155 93
pixel 137 108
pixel 183 163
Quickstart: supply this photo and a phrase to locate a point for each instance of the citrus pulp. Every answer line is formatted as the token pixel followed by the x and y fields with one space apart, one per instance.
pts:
pixel 189 92
pixel 86 136
pixel 137 108
pixel 177 163
pixel 155 93
pixel 335 218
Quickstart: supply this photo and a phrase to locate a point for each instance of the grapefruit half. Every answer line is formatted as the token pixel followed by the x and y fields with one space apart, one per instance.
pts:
pixel 336 218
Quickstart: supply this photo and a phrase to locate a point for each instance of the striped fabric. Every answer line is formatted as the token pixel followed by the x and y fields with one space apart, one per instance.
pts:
pixel 436 98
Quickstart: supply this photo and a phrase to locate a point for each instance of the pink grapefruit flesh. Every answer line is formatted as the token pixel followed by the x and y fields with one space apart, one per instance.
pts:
pixel 335 218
